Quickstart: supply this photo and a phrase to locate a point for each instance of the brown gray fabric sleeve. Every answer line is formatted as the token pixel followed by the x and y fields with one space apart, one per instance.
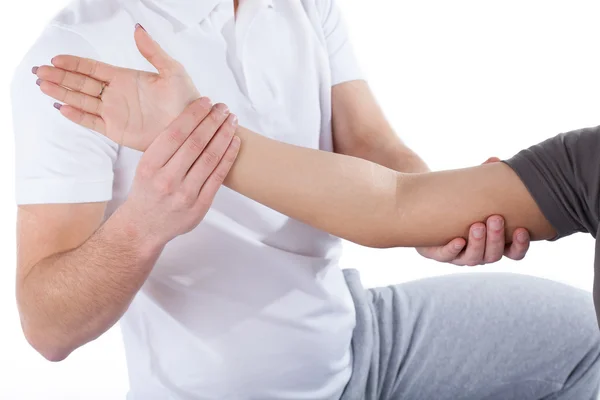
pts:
pixel 563 176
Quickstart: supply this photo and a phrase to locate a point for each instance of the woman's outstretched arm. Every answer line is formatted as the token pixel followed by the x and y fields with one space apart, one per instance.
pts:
pixel 349 197
pixel 552 189
pixel 375 206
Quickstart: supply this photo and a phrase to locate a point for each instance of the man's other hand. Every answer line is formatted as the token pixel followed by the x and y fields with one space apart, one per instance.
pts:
pixel 486 243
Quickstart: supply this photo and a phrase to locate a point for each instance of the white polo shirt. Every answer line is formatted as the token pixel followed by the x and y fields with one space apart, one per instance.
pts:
pixel 250 304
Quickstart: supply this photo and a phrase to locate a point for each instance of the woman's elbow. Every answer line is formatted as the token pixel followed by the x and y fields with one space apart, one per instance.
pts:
pixel 377 239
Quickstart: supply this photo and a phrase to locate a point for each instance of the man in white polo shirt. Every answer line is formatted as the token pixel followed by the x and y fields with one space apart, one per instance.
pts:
pixel 250 304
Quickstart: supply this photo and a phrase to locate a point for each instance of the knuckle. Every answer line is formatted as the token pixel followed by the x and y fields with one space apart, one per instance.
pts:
pixel 78 83
pixel 196 144
pixel 230 156
pixel 227 130
pixel 186 198
pixel 144 172
pixel 77 66
pixel 93 68
pixel 94 124
pixel 97 108
pixel 163 185
pixel 175 136
pixel 210 158
pixel 220 175
pixel 83 103
pixel 204 202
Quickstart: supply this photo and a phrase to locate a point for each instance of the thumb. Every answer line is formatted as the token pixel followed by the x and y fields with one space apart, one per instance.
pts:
pixel 445 254
pixel 152 51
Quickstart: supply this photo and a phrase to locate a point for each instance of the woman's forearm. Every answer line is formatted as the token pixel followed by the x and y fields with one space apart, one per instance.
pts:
pixel 439 206
pixel 345 196
pixel 375 206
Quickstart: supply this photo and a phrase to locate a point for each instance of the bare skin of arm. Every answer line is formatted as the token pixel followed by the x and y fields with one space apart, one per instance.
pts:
pixel 360 129
pixel 347 196
pixel 76 276
pixel 375 206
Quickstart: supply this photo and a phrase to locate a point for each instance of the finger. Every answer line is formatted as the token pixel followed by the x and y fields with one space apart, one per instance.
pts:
pixel 152 51
pixel 81 118
pixel 494 244
pixel 71 80
pixel 445 253
pixel 475 250
pixel 85 66
pixel 168 142
pixel 216 179
pixel 196 144
pixel 210 158
pixel 89 104
pixel 519 246
pixel 492 160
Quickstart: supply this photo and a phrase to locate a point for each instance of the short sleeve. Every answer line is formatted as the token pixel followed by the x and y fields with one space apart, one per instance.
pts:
pixel 57 161
pixel 343 62
pixel 563 176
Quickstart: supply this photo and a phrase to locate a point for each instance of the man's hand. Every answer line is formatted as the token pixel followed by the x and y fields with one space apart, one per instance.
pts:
pixel 130 107
pixel 180 173
pixel 486 243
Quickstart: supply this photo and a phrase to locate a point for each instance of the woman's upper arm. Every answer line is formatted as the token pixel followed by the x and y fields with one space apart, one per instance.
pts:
pixel 563 176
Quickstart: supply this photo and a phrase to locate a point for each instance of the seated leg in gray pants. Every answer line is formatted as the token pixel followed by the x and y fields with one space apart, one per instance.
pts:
pixel 483 336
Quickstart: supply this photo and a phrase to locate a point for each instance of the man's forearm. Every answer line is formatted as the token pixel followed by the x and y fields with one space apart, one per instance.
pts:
pixel 388 150
pixel 71 298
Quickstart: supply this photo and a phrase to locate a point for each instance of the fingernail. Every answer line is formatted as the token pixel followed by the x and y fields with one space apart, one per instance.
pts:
pixel 459 246
pixel 139 26
pixel 57 106
pixel 235 142
pixel 34 70
pixel 205 101
pixel 478 233
pixel 222 108
pixel 38 82
pixel 497 224
pixel 522 237
pixel 233 119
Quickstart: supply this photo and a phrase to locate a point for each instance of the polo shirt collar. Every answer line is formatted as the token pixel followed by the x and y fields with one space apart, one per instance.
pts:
pixel 191 12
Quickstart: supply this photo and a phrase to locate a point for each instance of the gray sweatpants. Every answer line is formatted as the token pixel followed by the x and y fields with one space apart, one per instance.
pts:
pixel 483 336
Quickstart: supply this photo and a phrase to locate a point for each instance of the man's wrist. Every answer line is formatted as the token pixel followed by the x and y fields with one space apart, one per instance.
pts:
pixel 128 231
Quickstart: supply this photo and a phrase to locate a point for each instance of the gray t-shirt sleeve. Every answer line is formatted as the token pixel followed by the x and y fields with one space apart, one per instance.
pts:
pixel 563 176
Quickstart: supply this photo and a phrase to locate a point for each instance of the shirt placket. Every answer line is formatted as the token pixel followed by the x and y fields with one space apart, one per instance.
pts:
pixel 248 11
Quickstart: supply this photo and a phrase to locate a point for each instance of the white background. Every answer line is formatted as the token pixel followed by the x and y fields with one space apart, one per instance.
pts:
pixel 460 81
